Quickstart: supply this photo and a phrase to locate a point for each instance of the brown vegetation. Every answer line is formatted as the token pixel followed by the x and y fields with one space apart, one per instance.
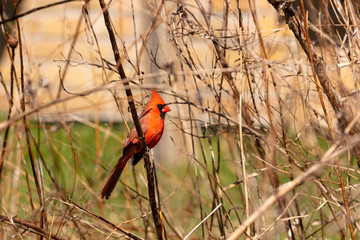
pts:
pixel 262 141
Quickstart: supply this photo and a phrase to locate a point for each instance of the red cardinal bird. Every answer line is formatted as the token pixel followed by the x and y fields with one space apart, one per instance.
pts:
pixel 152 123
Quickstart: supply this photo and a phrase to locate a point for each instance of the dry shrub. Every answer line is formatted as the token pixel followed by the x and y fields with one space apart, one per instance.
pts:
pixel 262 141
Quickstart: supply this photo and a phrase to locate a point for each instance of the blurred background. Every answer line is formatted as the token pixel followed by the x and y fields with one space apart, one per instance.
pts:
pixel 246 117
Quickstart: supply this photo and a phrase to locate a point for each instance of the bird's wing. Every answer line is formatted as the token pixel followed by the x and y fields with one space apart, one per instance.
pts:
pixel 133 139
pixel 153 136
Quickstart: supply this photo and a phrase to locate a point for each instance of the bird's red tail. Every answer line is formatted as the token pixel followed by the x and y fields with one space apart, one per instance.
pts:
pixel 113 179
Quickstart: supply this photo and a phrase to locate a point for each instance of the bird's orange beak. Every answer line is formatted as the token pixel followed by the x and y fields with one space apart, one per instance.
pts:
pixel 165 109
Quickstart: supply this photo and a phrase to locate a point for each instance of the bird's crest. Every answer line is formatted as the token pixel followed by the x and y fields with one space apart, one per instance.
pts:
pixel 155 98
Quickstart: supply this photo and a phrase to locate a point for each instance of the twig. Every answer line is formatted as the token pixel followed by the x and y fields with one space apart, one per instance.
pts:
pixel 28 226
pixel 26 127
pixel 273 174
pixel 212 212
pixel 129 234
pixel 149 169
pixel 35 10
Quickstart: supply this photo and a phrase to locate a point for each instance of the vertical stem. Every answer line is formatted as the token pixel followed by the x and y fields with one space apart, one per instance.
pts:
pixel 26 128
pixel 149 169
pixel 243 161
